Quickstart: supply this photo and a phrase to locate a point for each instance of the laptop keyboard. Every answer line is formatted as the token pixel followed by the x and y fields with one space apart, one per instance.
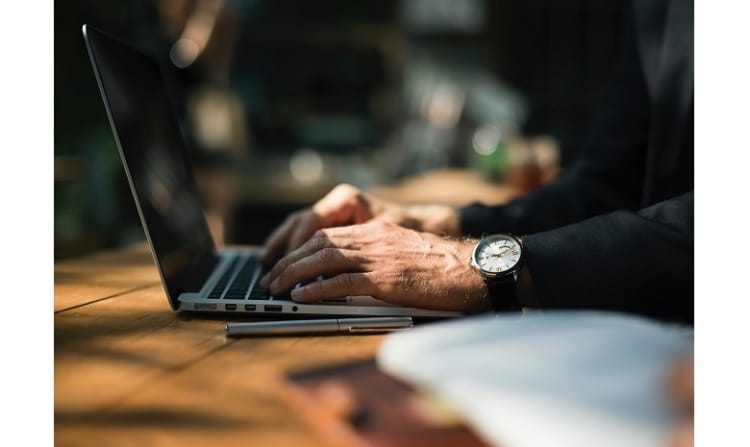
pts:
pixel 238 289
pixel 222 283
pixel 233 286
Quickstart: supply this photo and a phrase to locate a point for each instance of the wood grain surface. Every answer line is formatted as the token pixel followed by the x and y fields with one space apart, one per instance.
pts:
pixel 131 372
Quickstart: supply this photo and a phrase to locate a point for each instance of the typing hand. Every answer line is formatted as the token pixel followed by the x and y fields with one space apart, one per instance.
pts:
pixel 347 205
pixel 344 205
pixel 384 260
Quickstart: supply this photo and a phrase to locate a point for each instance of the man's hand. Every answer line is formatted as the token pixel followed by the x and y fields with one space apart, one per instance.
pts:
pixel 344 205
pixel 384 260
pixel 347 205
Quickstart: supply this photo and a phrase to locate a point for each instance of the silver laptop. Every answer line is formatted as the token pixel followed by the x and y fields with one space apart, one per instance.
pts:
pixel 196 277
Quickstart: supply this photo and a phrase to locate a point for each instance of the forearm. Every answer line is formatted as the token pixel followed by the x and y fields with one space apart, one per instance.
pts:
pixel 584 191
pixel 624 261
pixel 608 176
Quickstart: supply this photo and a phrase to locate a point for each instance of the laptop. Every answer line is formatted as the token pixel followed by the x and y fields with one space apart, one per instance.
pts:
pixel 196 276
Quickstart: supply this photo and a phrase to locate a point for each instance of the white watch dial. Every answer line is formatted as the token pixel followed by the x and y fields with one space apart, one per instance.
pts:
pixel 497 254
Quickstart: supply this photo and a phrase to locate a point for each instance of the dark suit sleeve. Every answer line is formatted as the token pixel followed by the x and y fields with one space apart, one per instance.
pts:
pixel 639 262
pixel 609 175
pixel 589 243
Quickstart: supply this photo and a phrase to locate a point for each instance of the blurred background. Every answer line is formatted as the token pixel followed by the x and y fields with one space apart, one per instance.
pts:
pixel 279 100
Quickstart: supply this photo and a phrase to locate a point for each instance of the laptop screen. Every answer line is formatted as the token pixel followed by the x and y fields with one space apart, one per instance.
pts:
pixel 153 154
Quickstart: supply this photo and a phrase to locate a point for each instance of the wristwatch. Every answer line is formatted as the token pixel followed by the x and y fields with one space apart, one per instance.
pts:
pixel 498 258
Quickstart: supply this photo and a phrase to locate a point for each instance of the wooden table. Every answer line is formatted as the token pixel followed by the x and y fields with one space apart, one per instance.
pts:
pixel 131 372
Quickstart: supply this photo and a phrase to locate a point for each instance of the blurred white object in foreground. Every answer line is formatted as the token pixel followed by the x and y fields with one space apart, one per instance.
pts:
pixel 548 378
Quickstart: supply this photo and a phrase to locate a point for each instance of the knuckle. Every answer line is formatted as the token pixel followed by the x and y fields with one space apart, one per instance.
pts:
pixel 344 280
pixel 347 188
pixel 351 194
pixel 318 243
pixel 320 234
pixel 329 254
pixel 380 224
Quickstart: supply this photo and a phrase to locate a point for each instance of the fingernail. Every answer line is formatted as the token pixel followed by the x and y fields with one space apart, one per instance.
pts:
pixel 264 281
pixel 275 286
pixel 297 293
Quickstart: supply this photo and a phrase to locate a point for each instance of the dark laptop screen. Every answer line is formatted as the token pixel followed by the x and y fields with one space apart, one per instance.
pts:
pixel 153 154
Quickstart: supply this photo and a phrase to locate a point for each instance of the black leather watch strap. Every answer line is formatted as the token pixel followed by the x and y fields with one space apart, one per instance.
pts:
pixel 503 293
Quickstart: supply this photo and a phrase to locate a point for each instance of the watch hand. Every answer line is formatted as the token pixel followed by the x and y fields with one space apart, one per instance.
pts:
pixel 503 253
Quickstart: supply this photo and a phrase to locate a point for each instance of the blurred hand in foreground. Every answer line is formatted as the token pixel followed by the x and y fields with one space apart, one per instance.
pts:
pixel 681 393
pixel 347 205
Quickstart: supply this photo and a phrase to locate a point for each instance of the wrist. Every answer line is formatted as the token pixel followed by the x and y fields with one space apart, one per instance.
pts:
pixel 499 260
pixel 477 292
pixel 436 219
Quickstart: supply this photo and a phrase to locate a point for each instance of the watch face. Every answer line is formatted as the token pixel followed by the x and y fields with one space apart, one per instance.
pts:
pixel 497 254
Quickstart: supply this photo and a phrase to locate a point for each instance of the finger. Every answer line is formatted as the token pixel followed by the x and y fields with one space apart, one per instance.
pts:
pixel 327 262
pixel 340 237
pixel 336 209
pixel 316 243
pixel 276 243
pixel 338 202
pixel 306 227
pixel 340 285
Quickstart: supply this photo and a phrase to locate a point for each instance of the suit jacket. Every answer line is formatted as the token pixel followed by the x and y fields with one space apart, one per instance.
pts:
pixel 615 232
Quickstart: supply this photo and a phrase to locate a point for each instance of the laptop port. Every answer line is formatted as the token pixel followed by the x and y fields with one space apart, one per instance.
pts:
pixel 204 306
pixel 230 306
pixel 272 308
pixel 250 307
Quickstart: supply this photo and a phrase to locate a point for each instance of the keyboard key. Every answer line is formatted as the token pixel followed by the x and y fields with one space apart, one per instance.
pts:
pixel 284 297
pixel 241 282
pixel 222 283
pixel 259 294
